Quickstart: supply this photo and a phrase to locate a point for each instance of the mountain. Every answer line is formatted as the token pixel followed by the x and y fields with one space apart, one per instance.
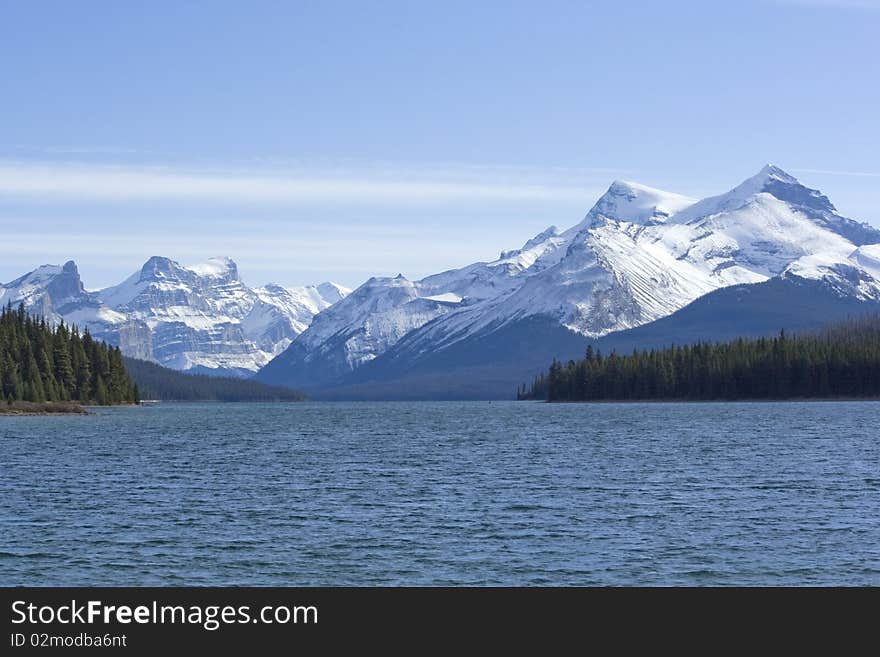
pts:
pixel 57 293
pixel 201 318
pixel 491 365
pixel 635 270
pixel 639 255
pixel 380 312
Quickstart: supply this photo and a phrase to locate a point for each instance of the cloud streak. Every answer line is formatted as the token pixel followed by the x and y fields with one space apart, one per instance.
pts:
pixel 106 259
pixel 833 4
pixel 827 172
pixel 106 183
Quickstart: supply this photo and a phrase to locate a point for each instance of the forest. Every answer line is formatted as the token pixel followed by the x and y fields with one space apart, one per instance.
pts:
pixel 43 363
pixel 841 361
pixel 162 383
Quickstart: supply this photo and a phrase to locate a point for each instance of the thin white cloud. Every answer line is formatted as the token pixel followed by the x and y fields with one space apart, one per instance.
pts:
pixel 827 172
pixel 833 4
pixel 91 150
pixel 349 259
pixel 116 183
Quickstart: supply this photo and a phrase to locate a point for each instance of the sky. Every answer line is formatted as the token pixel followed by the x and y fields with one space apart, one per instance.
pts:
pixel 315 141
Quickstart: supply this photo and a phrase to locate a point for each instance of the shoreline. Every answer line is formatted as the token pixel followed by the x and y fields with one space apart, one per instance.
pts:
pixel 31 409
pixel 23 408
pixel 708 401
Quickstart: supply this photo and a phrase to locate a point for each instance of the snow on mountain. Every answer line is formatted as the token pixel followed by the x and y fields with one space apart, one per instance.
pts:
pixel 329 292
pixel 856 274
pixel 867 257
pixel 281 313
pixel 619 272
pixel 639 254
pixel 201 317
pixel 56 292
pixel 223 268
pixel 639 204
pixel 381 311
pixel 204 317
pixel 376 314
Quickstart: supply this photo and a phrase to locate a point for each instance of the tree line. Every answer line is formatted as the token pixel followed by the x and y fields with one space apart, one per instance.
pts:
pixel 157 382
pixel 840 361
pixel 40 362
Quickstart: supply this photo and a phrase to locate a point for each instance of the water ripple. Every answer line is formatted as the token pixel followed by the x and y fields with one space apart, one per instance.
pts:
pixel 443 493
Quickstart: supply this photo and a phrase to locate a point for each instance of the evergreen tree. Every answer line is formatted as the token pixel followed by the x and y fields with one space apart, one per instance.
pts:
pixel 842 361
pixel 40 363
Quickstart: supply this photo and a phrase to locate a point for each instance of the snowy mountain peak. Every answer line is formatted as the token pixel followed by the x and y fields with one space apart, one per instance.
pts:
pixel 785 187
pixel 158 267
pixel 43 273
pixel 770 176
pixel 57 293
pixel 535 246
pixel 770 194
pixel 772 172
pixel 639 255
pixel 57 284
pixel 220 267
pixel 541 237
pixel 788 189
pixel 333 292
pixel 769 180
pixel 636 203
pixel 200 318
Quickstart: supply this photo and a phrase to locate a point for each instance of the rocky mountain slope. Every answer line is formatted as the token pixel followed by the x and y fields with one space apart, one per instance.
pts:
pixel 639 255
pixel 201 318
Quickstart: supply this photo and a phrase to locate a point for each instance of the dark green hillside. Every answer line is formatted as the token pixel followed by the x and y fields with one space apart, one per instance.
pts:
pixel 157 382
pixel 841 361
pixel 41 363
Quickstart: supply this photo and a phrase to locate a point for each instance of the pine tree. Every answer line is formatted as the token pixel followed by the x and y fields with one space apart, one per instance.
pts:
pixel 840 361
pixel 41 363
pixel 102 398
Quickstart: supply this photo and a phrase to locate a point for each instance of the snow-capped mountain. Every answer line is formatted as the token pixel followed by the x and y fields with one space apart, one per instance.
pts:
pixel 383 310
pixel 56 292
pixel 640 254
pixel 200 318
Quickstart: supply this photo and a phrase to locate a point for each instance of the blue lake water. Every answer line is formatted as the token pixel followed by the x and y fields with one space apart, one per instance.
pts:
pixel 443 493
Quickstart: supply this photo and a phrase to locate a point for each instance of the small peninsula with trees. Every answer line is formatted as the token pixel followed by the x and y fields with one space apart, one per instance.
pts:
pixel 56 369
pixel 842 361
pixel 45 368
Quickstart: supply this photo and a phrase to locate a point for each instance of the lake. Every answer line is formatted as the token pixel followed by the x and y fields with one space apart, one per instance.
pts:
pixel 481 493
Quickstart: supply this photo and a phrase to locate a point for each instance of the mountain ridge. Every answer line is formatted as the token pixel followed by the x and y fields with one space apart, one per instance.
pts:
pixel 200 318
pixel 640 254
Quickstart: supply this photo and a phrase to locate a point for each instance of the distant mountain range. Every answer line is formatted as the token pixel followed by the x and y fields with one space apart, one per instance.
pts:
pixel 201 319
pixel 768 254
pixel 643 268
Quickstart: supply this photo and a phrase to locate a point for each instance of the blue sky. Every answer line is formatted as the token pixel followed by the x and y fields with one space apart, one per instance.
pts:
pixel 338 140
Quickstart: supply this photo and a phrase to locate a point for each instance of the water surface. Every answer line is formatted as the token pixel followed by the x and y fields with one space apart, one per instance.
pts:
pixel 443 493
